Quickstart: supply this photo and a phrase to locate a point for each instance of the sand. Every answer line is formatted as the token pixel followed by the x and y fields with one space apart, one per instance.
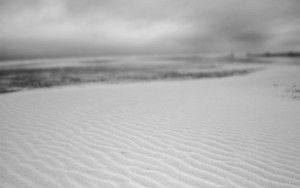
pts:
pixel 240 131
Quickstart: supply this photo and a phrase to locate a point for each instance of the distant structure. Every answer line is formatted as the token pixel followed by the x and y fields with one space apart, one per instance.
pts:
pixel 231 55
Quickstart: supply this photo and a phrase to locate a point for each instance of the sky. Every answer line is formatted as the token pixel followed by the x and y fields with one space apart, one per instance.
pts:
pixel 61 28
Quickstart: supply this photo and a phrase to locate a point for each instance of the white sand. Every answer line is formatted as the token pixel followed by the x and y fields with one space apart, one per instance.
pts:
pixel 242 131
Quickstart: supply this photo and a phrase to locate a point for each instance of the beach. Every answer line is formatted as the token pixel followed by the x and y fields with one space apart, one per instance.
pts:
pixel 237 131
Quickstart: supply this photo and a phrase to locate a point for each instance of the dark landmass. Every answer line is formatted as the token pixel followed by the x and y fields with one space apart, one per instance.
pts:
pixel 279 54
pixel 34 75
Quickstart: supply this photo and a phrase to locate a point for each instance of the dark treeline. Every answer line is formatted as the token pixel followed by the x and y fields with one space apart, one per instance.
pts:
pixel 275 54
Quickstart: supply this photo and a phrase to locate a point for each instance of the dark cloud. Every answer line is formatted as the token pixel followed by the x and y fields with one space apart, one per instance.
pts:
pixel 37 28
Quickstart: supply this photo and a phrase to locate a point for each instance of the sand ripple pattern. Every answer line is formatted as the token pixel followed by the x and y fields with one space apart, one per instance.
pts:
pixel 156 135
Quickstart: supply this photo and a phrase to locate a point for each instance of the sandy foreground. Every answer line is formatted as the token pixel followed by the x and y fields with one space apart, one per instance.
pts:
pixel 240 131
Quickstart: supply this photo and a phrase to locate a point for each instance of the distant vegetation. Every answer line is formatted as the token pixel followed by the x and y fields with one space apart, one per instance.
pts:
pixel 34 75
pixel 278 54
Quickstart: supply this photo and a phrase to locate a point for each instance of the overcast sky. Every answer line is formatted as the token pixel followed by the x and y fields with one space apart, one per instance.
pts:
pixel 54 28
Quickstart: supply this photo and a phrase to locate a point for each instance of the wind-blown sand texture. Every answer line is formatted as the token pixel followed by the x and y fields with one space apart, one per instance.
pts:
pixel 241 131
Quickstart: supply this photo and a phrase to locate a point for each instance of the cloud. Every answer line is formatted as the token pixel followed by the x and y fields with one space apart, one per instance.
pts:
pixel 95 27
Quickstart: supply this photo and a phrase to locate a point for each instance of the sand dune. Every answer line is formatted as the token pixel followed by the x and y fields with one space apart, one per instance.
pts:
pixel 232 132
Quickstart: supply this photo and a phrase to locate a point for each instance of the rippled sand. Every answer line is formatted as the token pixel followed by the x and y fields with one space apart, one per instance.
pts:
pixel 240 131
